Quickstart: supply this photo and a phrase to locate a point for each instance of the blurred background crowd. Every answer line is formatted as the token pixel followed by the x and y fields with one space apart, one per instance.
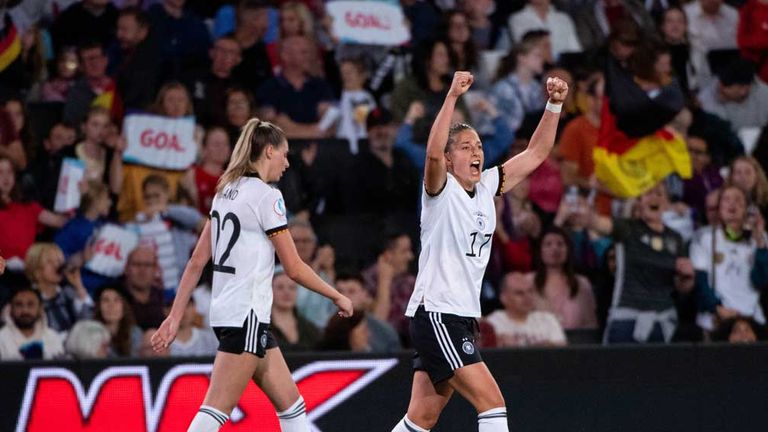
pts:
pixel 576 258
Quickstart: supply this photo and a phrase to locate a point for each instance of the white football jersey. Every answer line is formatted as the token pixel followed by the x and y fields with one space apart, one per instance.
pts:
pixel 243 217
pixel 456 233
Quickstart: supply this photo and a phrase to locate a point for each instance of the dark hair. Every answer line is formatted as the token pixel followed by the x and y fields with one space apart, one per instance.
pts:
pixel 540 277
pixel 141 17
pixel 456 129
pixel 422 56
pixel 27 288
pixel 156 180
pixel 247 93
pixel 470 49
pixel 26 134
pixel 723 331
pixel 337 331
pixel 642 62
pixel 350 276
pixel 252 5
pixel 391 237
pixel 89 45
pixel 15 194
pixel 121 342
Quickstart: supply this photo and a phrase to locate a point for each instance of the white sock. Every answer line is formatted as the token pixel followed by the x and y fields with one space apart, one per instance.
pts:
pixel 493 420
pixel 208 419
pixel 406 425
pixel 294 419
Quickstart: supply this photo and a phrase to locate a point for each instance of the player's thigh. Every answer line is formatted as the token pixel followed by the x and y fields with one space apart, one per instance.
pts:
pixel 230 376
pixel 476 384
pixel 427 399
pixel 275 380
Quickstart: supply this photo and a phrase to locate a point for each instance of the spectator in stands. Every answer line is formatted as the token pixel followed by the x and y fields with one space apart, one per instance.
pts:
pixel 83 21
pixel 356 103
pixel 712 25
pixel 295 20
pixel 145 296
pixel 653 265
pixel 674 32
pixel 430 68
pixel 41 178
pixel 173 100
pixel 346 334
pixel 516 227
pixel 384 180
pixel 294 99
pixel 20 217
pixel 736 96
pixel 26 334
pixel 519 324
pixel 88 340
pixel 171 228
pixel 100 151
pixel 540 14
pixel 63 305
pixel 382 337
pixel 595 19
pixel 252 25
pixel 587 246
pixel 56 88
pixel 390 284
pixel 731 264
pixel 578 141
pixel 559 289
pixel 183 37
pixel 461 46
pixel 517 90
pixel 209 86
pixel 10 144
pixel 481 27
pixel 192 341
pixel 114 310
pixel 240 107
pixel 624 40
pixel 739 330
pixel 423 17
pixel 204 175
pixel 291 330
pixel 17 109
pixel 134 59
pixel 313 307
pixel 747 174
pixel 752 35
pixel 94 88
pixel 706 176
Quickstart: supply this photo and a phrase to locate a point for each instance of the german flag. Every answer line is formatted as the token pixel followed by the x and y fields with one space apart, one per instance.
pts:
pixel 110 99
pixel 10 45
pixel 635 149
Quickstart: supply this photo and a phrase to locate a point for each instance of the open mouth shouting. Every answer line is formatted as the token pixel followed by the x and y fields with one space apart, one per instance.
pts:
pixel 474 167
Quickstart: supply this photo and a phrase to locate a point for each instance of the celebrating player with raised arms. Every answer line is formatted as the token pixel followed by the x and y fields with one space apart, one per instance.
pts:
pixel 247 226
pixel 457 222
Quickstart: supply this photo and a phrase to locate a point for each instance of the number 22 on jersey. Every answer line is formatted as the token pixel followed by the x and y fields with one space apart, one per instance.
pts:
pixel 221 225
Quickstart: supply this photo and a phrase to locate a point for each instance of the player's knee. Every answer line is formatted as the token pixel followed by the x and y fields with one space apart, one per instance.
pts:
pixel 426 415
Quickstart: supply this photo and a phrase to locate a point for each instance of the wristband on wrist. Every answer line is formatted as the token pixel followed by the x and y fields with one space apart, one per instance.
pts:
pixel 554 107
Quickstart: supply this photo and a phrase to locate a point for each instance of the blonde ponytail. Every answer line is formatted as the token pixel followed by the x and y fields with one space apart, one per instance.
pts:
pixel 254 138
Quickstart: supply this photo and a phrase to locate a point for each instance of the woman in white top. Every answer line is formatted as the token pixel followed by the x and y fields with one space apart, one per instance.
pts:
pixel 457 222
pixel 247 226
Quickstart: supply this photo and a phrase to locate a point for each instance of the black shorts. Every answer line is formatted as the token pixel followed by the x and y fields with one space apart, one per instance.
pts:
pixel 443 343
pixel 253 337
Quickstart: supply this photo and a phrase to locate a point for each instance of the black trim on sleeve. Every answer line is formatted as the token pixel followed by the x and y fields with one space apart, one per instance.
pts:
pixel 500 190
pixel 431 195
pixel 275 231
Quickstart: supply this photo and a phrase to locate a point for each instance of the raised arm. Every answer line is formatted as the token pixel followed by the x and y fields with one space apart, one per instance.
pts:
pixel 518 168
pixel 303 274
pixel 165 335
pixel 435 171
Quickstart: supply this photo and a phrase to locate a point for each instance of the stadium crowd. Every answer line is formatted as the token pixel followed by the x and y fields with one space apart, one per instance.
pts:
pixel 685 260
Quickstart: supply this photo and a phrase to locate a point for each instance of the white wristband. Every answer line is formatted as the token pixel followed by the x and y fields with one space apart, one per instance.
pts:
pixel 554 107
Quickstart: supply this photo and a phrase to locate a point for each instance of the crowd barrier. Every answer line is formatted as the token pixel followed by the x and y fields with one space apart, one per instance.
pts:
pixel 585 388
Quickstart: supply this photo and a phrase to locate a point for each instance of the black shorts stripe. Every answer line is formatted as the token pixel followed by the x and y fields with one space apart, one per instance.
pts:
pixel 451 346
pixel 275 231
pixel 444 340
pixel 216 416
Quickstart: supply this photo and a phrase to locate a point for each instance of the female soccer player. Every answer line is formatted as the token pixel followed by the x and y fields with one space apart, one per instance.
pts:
pixel 247 225
pixel 457 222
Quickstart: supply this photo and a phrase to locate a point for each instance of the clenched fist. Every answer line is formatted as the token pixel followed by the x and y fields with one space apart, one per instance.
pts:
pixel 461 83
pixel 557 90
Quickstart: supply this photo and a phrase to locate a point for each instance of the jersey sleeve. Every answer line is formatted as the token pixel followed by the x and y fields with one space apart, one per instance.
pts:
pixel 272 214
pixel 493 179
